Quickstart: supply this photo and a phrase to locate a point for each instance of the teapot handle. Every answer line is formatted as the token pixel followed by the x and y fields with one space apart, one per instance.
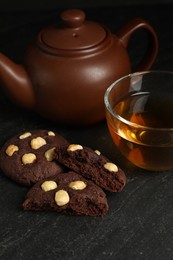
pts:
pixel 125 34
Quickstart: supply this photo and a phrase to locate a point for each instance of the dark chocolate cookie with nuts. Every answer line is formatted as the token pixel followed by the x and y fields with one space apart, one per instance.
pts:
pixel 92 165
pixel 68 193
pixel 28 157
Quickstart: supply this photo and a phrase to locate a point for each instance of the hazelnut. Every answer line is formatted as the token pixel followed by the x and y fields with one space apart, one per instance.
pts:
pixel 111 167
pixel 49 154
pixel 61 197
pixel 11 149
pixel 50 133
pixel 28 158
pixel 37 142
pixel 48 185
pixel 74 147
pixel 77 185
pixel 97 152
pixel 25 135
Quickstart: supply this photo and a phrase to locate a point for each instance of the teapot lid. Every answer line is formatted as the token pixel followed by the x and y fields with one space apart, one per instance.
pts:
pixel 74 33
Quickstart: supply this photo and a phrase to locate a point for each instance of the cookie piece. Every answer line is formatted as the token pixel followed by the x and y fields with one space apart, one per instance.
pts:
pixel 92 165
pixel 68 193
pixel 28 157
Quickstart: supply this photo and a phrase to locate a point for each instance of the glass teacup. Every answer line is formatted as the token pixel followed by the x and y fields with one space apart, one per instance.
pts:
pixel 139 113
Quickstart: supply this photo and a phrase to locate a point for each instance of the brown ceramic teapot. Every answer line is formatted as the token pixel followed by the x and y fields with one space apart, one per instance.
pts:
pixel 69 67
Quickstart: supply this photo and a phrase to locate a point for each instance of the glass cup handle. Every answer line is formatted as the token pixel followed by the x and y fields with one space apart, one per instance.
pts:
pixel 125 34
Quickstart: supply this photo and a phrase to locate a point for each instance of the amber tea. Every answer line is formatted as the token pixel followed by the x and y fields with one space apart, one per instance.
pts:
pixel 140 134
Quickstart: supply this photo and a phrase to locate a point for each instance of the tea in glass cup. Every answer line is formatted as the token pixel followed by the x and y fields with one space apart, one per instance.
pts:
pixel 139 113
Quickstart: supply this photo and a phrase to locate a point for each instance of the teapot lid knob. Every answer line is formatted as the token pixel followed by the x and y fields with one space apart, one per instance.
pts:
pixel 73 18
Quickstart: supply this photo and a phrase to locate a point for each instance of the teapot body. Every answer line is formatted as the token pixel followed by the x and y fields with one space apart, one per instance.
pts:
pixel 71 64
pixel 70 89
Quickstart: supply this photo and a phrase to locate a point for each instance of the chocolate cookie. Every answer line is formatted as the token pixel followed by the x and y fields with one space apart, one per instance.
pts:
pixel 28 157
pixel 92 165
pixel 68 193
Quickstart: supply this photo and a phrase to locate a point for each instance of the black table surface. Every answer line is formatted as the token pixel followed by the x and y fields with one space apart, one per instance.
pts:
pixel 139 224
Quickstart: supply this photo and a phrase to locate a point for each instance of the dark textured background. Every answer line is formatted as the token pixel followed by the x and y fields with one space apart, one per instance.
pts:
pixel 47 5
pixel 139 224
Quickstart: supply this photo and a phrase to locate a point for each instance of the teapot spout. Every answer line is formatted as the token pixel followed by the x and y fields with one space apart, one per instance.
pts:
pixel 16 83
